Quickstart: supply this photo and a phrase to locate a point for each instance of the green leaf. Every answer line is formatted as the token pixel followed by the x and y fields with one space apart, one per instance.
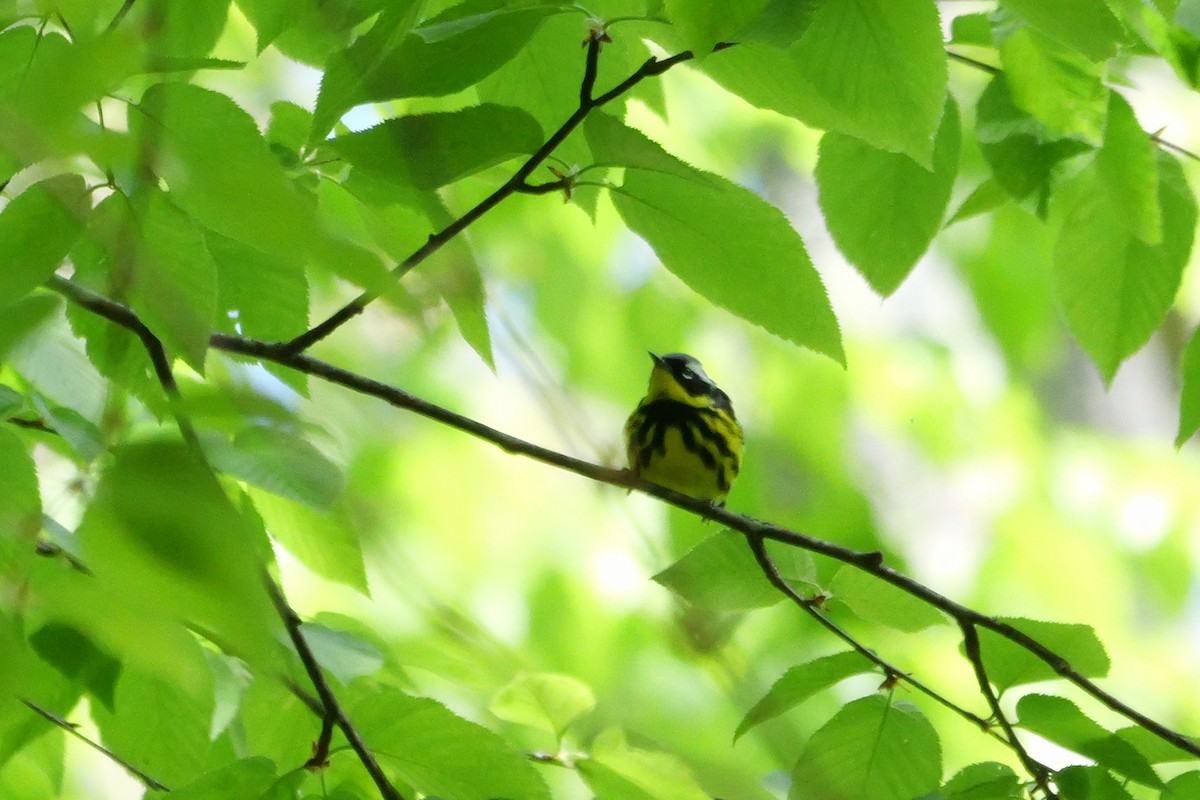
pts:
pixel 892 92
pixel 11 402
pixel 720 573
pixel 37 229
pixel 703 23
pixel 781 22
pixel 343 654
pixel 162 534
pixel 1008 664
pixel 1189 399
pixel 441 754
pixel 1127 171
pixel 20 501
pixel 975 29
pixel 544 700
pixel 1024 157
pixel 984 199
pixel 871 748
pixel 21 318
pixel 800 683
pixel 1116 289
pixel 79 432
pixel 158 725
pixel 1055 85
pixel 615 144
pixel 1089 783
pixel 878 601
pixel 735 249
pixel 1088 26
pixel 219 169
pixel 326 542
pixel 985 781
pixel 386 64
pixel 1061 721
pixel 75 656
pixel 1156 749
pixel 174 287
pixel 882 208
pixel 617 769
pixel 230 678
pixel 431 150
pixel 280 462
pixel 1182 787
pixel 248 779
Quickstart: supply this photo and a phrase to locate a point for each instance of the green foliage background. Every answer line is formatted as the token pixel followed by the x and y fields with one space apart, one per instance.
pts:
pixel 1001 425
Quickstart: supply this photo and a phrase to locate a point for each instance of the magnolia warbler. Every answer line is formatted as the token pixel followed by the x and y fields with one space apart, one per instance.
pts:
pixel 683 434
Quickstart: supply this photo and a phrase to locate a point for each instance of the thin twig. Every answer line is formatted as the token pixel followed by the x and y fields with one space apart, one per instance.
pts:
pixel 870 562
pixel 32 425
pixel 1038 771
pixel 890 671
pixel 120 15
pixel 329 702
pixel 147 781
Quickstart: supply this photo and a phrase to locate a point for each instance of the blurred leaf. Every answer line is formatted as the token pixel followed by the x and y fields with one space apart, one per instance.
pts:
pixel 617 769
pixel 228 182
pixel 701 229
pixel 1089 783
pixel 1182 787
pixel 720 573
pixel 1156 749
pixel 1189 400
pixel 260 295
pixel 158 726
pixel 1009 664
pixel 878 601
pixel 973 29
pixel 985 198
pixel 79 432
pixel 230 678
pixel 985 781
pixel 180 30
pixel 248 779
pixel 37 229
pixel 174 288
pixel 431 150
pixel 439 753
pixel 800 683
pixel 343 654
pixel 883 209
pixel 11 402
pixel 1061 721
pixel 161 533
pixel 21 318
pixel 871 748
pixel 387 64
pixel 1088 26
pixel 1115 289
pixel 543 700
pixel 77 657
pixel 325 541
pixel 20 501
pixel 1056 85
pixel 280 462
pixel 703 23
pixel 780 23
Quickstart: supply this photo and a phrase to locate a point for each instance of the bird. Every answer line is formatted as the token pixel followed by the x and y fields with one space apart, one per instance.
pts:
pixel 683 435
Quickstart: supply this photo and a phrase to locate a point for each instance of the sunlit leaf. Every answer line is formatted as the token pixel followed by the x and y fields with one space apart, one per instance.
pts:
pixel 1061 721
pixel 720 573
pixel 248 779
pixel 1056 85
pixel 800 683
pixel 543 700
pixel 882 208
pixel 1008 664
pixel 871 748
pixel 37 229
pixel 615 768
pixel 985 781
pixel 1088 26
pixel 879 601
pixel 441 754
pixel 326 541
pixel 703 23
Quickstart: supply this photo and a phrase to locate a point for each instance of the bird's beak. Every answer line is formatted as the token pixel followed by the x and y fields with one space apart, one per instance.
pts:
pixel 658 362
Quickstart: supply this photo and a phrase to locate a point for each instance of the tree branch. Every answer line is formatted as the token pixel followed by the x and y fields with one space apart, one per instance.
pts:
pixel 332 710
pixel 1038 771
pixel 147 781
pixel 870 562
pixel 516 184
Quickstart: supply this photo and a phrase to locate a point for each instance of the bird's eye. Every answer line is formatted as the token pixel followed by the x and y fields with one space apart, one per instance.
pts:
pixel 686 374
